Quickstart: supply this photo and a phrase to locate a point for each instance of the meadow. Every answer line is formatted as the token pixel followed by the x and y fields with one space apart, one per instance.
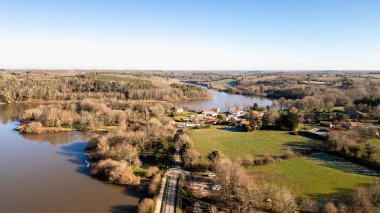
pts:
pixel 320 176
pixel 222 84
pixel 234 143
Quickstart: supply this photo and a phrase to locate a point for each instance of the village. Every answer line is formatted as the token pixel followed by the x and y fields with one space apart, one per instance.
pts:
pixel 322 124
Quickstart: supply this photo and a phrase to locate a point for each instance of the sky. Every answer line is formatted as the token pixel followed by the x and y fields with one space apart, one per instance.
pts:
pixel 190 34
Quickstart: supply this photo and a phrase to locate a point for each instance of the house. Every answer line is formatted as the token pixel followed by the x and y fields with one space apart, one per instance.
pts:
pixel 352 124
pixel 326 123
pixel 179 110
pixel 215 109
pixel 222 117
pixel 237 112
pixel 211 120
pixel 209 113
pixel 257 113
pixel 244 122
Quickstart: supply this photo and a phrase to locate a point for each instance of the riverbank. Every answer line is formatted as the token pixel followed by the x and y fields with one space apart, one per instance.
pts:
pixel 65 129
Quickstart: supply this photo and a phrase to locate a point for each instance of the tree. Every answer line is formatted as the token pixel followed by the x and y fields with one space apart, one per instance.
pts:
pixel 255 122
pixel 214 155
pixel 270 118
pixel 190 157
pixel 289 120
pixel 145 206
pixel 370 150
pixel 255 107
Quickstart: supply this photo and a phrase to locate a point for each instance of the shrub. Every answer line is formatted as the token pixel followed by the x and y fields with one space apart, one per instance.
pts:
pixel 289 153
pixel 282 199
pixel 145 206
pixel 153 185
pixel 309 205
pixel 114 171
pixel 365 199
pixel 330 208
pixel 31 128
pixel 151 171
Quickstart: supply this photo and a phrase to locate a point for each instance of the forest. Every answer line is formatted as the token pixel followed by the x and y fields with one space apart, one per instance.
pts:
pixel 24 86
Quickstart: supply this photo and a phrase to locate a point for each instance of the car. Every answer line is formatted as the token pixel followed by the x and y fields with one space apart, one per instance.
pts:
pixel 211 174
pixel 215 188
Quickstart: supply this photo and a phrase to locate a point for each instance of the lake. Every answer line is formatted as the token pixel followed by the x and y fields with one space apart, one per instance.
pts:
pixel 47 173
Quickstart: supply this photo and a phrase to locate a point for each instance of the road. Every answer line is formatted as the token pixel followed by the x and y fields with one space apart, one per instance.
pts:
pixel 167 200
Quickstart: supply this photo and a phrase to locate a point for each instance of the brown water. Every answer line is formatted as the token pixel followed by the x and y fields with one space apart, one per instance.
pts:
pixel 47 173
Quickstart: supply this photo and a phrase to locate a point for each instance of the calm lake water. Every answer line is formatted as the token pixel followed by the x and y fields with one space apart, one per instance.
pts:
pixel 47 173
pixel 219 99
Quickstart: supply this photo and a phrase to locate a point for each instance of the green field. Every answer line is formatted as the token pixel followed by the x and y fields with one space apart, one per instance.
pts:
pixel 185 115
pixel 320 176
pixel 234 143
pixel 221 84
pixel 315 177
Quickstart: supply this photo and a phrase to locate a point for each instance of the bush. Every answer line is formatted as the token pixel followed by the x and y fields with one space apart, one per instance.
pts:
pixel 330 208
pixel 309 205
pixel 282 199
pixel 365 199
pixel 145 206
pixel 152 170
pixel 115 172
pixel 153 186
pixel 31 128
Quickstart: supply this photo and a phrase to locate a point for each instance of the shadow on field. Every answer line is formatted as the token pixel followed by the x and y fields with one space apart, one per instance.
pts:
pixel 230 129
pixel 340 192
pixel 309 144
pixel 342 164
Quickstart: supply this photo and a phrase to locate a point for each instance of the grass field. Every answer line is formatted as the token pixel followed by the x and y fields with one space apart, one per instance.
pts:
pixel 234 143
pixel 320 176
pixel 221 84
pixel 315 177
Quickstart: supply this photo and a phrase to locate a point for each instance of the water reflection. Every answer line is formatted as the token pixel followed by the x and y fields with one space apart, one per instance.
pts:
pixel 10 112
pixel 59 137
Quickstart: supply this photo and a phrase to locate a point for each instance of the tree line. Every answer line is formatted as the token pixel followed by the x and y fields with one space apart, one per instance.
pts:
pixel 48 86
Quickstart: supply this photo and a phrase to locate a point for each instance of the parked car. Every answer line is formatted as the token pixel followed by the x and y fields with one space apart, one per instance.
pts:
pixel 215 187
pixel 211 174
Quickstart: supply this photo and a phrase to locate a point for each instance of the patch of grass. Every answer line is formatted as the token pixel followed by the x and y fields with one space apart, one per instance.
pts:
pixel 222 84
pixel 338 109
pixel 311 178
pixel 185 115
pixel 234 143
pixel 139 171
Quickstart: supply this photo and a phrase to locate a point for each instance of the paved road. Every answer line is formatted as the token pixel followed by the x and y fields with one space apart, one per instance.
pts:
pixel 171 192
pixel 168 197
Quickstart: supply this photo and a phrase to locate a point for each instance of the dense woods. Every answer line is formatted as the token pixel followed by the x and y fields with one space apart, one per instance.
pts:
pixel 52 86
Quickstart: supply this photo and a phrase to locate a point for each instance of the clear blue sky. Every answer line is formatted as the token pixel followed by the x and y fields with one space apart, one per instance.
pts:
pixel 192 34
